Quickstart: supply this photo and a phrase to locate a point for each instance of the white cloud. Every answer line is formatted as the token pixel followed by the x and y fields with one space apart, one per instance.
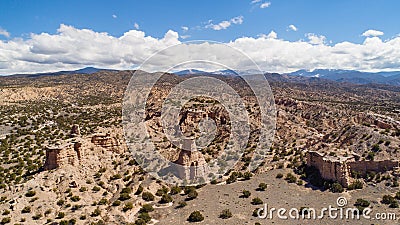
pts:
pixel 185 36
pixel 292 27
pixel 185 28
pixel 114 16
pixel 316 39
pixel 255 1
pixel 265 5
pixel 136 26
pixel 372 33
pixel 272 35
pixel 225 24
pixel 4 33
pixel 72 48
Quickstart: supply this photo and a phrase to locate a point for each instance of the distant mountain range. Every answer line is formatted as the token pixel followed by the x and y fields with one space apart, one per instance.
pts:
pixel 86 70
pixel 347 76
pixel 352 76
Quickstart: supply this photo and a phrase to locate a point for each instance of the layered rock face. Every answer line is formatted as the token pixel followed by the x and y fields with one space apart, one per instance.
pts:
pixel 339 168
pixel 72 151
pixel 69 153
pixel 107 141
pixel 192 162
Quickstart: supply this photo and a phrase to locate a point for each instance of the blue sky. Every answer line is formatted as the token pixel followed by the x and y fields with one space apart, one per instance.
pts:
pixel 348 34
pixel 341 20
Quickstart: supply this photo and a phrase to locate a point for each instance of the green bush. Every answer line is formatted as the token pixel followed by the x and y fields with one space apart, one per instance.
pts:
pixel 124 196
pixel 245 194
pixel 355 185
pixel 144 216
pixel 30 193
pixel 5 220
pixel 195 216
pixel 225 214
pixel 262 187
pixel 26 209
pixel 290 178
pixel 336 188
pixel 116 203
pixel 192 195
pixel 139 190
pixel 175 190
pixel 75 198
pixel 256 201
pixel 146 208
pixel 166 198
pixel 147 196
pixel 127 206
pixel 181 204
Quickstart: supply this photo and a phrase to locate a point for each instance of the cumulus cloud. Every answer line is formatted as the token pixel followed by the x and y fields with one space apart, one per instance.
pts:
pixel 72 48
pixel 372 33
pixel 316 39
pixel 265 5
pixel 255 1
pixel 184 28
pixel 114 16
pixel 4 33
pixel 136 26
pixel 292 27
pixel 225 24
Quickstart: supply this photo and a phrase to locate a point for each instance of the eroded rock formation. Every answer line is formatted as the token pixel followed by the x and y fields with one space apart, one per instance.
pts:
pixel 339 168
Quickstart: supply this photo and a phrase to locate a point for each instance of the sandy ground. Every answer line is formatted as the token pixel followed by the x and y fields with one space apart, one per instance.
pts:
pixel 213 199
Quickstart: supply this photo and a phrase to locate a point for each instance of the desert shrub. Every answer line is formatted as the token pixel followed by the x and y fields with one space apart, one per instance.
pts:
pixel 279 175
pixel 26 209
pixel 195 216
pixel 181 204
pixel 30 193
pixel 139 190
pixel 147 196
pixel 336 188
pixel 189 189
pixel 60 215
pixel 95 213
pixel 60 202
pixel 127 190
pixel 75 198
pixel 245 194
pixel 124 196
pixel 247 175
pixel 225 214
pixel 290 178
pixel 175 190
pixel 96 188
pixel 262 187
pixel 83 189
pixel 388 199
pixel 355 185
pixel 192 195
pixel 144 216
pixel 5 220
pixel 116 203
pixel 103 201
pixel 146 208
pixel 256 201
pixel 162 191
pixel 231 179
pixel 166 198
pixel 127 206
